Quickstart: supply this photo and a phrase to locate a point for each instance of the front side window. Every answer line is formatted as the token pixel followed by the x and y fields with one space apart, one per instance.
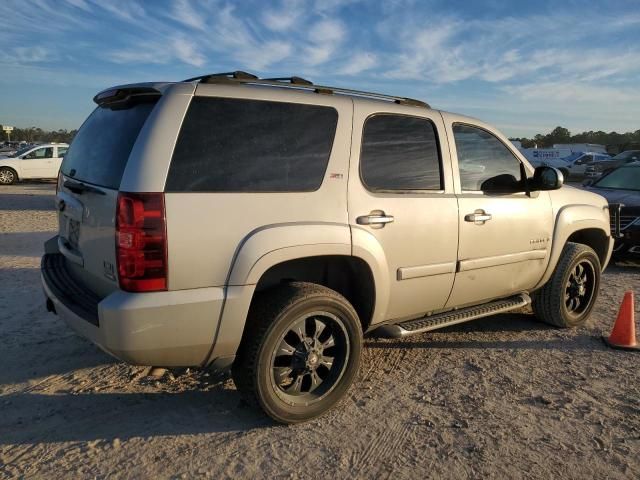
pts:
pixel 483 160
pixel 233 145
pixel 400 153
pixel 40 153
pixel 62 151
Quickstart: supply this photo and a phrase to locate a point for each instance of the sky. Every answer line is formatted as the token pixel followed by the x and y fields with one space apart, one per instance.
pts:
pixel 524 66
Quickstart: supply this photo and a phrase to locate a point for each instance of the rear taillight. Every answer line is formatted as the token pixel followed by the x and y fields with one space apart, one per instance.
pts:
pixel 141 242
pixel 59 183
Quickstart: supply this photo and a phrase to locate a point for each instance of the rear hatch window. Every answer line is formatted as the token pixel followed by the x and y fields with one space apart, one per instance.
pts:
pixel 102 146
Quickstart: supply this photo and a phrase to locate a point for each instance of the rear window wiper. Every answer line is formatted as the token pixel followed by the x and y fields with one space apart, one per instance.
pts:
pixel 77 187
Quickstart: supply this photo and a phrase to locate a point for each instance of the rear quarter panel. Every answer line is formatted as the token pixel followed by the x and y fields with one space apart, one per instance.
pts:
pixel 206 230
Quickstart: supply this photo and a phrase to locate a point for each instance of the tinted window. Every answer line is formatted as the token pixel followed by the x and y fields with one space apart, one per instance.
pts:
pixel 231 145
pixel 101 148
pixel 481 157
pixel 400 153
pixel 46 152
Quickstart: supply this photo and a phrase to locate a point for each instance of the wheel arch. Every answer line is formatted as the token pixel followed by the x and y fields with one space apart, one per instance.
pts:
pixel 585 224
pixel 13 169
pixel 315 253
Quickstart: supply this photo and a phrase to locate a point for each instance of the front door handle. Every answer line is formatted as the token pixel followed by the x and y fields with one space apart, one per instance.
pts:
pixel 479 217
pixel 377 219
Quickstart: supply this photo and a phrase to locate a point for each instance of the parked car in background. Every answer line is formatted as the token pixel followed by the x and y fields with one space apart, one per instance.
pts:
pixel 575 165
pixel 622 185
pixel 597 169
pixel 9 148
pixel 41 161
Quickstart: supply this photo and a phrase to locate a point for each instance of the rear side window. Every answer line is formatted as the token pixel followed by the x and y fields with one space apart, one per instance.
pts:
pixel 400 153
pixel 101 148
pixel 232 145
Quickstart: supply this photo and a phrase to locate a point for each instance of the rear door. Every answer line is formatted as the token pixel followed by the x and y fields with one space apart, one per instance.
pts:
pixel 401 193
pixel 54 167
pixel 504 237
pixel 91 172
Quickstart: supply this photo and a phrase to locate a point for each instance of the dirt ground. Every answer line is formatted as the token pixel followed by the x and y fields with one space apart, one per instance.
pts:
pixel 502 397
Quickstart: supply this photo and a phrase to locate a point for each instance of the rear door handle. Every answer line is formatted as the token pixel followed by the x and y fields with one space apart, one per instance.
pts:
pixel 376 219
pixel 478 217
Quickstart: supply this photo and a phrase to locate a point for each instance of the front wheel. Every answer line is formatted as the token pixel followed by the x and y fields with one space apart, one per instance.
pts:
pixel 300 351
pixel 7 176
pixel 568 297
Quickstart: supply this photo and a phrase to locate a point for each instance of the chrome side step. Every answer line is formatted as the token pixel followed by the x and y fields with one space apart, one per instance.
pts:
pixel 452 317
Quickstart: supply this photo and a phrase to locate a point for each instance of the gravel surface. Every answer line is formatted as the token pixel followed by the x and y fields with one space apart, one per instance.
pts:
pixel 502 397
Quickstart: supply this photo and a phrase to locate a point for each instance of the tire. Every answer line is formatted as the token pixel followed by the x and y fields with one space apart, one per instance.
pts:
pixel 567 299
pixel 300 351
pixel 8 176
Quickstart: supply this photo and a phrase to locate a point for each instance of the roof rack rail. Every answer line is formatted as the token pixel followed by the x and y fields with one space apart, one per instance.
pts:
pixel 292 80
pixel 299 83
pixel 237 75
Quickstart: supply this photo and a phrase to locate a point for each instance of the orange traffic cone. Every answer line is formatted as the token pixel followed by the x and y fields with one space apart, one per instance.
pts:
pixel 623 335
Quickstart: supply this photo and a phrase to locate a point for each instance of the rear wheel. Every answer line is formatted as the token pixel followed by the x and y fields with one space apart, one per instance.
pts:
pixel 7 176
pixel 300 351
pixel 570 294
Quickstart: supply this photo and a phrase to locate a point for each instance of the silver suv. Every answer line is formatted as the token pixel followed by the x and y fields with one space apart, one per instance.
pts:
pixel 264 225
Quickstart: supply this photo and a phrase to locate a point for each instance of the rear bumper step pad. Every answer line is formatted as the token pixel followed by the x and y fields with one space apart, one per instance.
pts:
pixel 64 287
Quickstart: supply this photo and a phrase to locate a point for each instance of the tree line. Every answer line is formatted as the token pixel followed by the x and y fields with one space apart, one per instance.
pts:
pixel 615 142
pixel 36 134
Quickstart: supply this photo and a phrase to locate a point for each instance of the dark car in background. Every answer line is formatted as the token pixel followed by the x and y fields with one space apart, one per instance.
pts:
pixel 622 185
pixel 597 169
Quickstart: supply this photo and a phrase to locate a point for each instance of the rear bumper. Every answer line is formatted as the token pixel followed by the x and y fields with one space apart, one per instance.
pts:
pixel 175 328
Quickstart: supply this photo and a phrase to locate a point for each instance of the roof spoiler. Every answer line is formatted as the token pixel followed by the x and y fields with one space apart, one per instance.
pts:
pixel 123 96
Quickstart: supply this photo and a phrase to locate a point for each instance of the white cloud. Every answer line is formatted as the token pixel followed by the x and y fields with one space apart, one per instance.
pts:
pixel 81 4
pixel 325 37
pixel 184 13
pixel 327 31
pixel 358 63
pixel 187 52
pixel 32 54
pixel 283 18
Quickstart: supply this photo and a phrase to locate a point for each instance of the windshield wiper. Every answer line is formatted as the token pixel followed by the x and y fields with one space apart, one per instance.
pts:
pixel 77 187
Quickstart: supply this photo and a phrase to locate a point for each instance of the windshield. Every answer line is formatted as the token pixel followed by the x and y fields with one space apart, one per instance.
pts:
pixel 101 148
pixel 627 154
pixel 625 178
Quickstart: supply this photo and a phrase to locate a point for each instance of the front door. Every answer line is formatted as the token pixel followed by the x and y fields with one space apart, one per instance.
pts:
pixel 505 238
pixel 38 163
pixel 401 201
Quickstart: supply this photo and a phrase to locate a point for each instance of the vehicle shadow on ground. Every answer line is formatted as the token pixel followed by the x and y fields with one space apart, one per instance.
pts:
pixel 35 417
pixel 28 244
pixel 16 201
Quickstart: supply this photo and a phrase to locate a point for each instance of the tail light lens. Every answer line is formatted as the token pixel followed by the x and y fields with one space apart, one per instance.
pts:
pixel 141 242
pixel 59 182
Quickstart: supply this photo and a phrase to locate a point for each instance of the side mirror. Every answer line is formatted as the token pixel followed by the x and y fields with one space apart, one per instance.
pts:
pixel 502 184
pixel 546 178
